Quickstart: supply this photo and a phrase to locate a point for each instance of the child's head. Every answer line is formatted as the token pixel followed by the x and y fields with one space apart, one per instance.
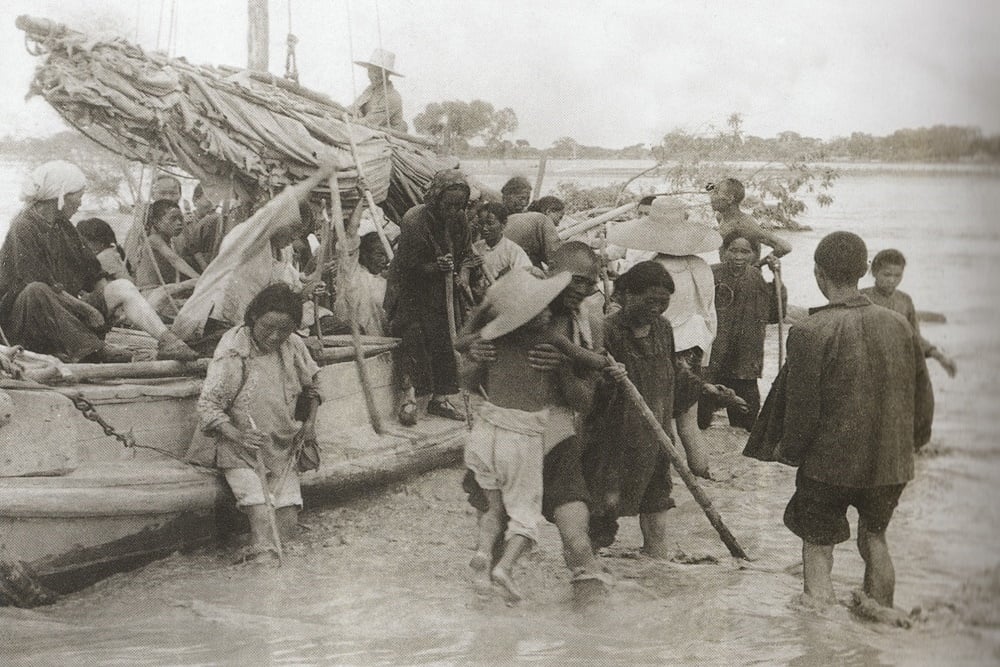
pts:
pixel 644 292
pixel 372 255
pixel 841 260
pixel 202 204
pixel 490 221
pixel 516 193
pixel 887 268
pixel 97 234
pixel 550 206
pixel 167 187
pixel 165 218
pixel 739 249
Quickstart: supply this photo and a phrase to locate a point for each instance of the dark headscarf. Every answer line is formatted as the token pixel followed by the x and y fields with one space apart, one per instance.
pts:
pixel 446 179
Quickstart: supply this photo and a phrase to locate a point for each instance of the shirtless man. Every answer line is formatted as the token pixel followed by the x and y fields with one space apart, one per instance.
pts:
pixel 726 196
pixel 565 497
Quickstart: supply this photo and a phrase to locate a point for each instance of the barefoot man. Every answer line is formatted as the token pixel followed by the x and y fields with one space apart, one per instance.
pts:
pixel 857 404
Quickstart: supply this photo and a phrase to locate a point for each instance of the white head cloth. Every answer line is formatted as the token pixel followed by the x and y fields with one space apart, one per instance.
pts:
pixel 53 180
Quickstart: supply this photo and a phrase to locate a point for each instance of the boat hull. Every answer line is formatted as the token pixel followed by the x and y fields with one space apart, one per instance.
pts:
pixel 89 508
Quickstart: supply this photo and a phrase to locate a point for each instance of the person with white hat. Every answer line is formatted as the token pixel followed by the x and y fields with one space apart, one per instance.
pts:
pixel 668 237
pixel 380 104
pixel 508 443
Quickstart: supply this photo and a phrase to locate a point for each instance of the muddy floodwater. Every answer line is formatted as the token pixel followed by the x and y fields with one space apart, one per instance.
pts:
pixel 383 578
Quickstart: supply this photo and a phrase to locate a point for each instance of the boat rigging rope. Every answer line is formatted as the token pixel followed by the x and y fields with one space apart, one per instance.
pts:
pixel 385 77
pixel 350 47
pixel 291 67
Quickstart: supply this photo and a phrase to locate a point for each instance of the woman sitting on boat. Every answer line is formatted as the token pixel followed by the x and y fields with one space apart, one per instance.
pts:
pixel 260 373
pixel 161 275
pixel 54 296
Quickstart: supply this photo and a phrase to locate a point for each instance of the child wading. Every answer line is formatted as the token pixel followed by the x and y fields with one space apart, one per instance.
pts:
pixel 887 269
pixel 744 304
pixel 509 440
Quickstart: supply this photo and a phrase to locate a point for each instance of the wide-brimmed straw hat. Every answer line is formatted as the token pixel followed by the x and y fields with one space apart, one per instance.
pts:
pixel 381 59
pixel 666 230
pixel 518 297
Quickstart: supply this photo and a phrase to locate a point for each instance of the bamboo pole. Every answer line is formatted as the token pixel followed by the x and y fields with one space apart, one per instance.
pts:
pixel 586 225
pixel 781 318
pixel 272 518
pixel 375 211
pixel 537 192
pixel 359 357
pixel 680 465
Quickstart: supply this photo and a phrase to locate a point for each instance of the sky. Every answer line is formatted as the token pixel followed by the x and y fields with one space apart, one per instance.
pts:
pixel 609 73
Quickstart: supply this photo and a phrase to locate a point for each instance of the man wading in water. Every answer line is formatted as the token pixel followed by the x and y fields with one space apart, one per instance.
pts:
pixel 565 497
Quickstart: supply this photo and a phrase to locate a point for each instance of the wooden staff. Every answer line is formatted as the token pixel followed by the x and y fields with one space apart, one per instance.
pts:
pixel 680 464
pixel 604 270
pixel 272 518
pixel 363 186
pixel 537 192
pixel 781 317
pixel 359 355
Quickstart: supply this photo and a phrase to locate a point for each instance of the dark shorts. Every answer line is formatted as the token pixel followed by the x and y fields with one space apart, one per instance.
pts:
pixel 817 511
pixel 562 480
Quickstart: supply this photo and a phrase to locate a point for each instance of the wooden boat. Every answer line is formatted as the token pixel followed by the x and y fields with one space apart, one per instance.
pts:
pixel 75 505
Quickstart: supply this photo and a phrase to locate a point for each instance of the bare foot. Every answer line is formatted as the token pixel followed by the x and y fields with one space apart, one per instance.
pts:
pixel 867 608
pixel 506 581
pixel 481 581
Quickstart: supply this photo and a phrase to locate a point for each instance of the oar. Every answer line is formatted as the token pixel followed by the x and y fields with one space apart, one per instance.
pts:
pixel 680 465
pixel 359 356
pixel 272 518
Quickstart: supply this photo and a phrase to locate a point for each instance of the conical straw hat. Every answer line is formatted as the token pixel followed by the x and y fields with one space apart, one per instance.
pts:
pixel 518 297
pixel 666 230
pixel 382 59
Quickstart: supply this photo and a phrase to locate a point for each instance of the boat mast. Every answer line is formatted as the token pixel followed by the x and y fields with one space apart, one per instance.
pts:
pixel 257 35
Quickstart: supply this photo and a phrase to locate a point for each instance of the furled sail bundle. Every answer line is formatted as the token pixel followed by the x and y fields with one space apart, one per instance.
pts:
pixel 230 128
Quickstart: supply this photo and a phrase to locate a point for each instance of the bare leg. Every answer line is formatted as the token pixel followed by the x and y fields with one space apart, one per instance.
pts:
pixel 572 519
pixel 260 531
pixel 654 534
pixel 694 442
pixel 490 527
pixel 288 519
pixel 880 575
pixel 817 566
pixel 123 294
pixel 503 572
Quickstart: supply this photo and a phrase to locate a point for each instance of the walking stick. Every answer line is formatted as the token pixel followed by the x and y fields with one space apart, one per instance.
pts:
pixel 359 353
pixel 680 465
pixel 781 317
pixel 272 519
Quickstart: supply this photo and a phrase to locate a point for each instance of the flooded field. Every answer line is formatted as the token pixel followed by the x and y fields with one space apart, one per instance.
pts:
pixel 383 578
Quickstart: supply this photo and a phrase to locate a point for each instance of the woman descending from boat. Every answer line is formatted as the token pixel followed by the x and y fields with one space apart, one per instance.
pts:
pixel 258 407
pixel 379 104
pixel 161 275
pixel 54 296
pixel 887 269
pixel 669 238
pixel 627 471
pixel 744 303
pixel 433 250
pixel 255 254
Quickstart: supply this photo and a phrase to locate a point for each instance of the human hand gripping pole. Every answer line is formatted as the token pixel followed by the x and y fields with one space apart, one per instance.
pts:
pixel 680 465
